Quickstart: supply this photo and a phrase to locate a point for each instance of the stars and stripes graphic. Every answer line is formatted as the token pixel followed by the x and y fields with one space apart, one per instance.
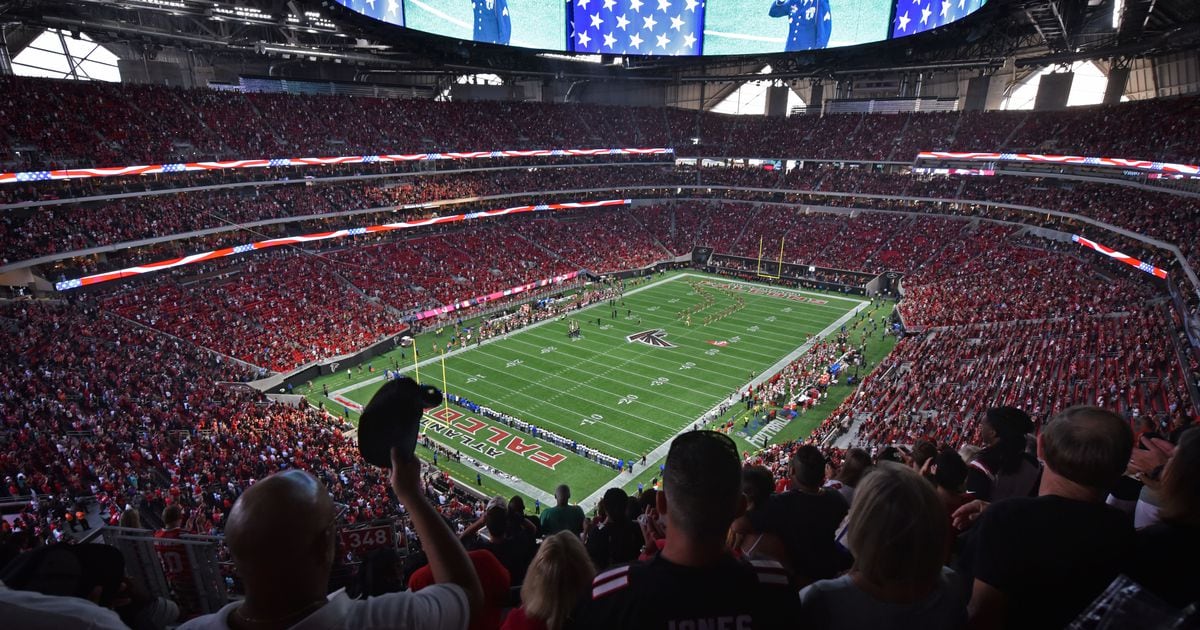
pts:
pixel 390 11
pixel 1116 255
pixel 917 16
pixel 192 259
pixel 636 27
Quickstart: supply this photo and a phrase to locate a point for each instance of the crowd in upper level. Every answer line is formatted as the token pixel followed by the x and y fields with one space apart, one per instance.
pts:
pixel 45 124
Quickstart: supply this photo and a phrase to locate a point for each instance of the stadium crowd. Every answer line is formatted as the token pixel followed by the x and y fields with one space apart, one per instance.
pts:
pixel 111 125
pixel 959 485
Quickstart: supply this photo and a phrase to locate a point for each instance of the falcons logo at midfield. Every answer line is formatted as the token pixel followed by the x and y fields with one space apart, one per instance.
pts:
pixel 656 337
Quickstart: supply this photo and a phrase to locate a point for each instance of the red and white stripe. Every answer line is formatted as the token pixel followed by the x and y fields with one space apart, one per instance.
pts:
pixel 155 169
pixel 321 236
pixel 1145 165
pixel 1116 255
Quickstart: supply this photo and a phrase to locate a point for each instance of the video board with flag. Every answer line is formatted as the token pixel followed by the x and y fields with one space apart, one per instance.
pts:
pixel 917 16
pixel 390 11
pixel 637 27
pixel 537 24
pixel 670 27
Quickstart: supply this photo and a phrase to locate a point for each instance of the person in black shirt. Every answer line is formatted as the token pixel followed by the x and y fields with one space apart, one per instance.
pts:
pixel 1039 562
pixel 615 539
pixel 506 543
pixel 806 518
pixel 1003 469
pixel 694 582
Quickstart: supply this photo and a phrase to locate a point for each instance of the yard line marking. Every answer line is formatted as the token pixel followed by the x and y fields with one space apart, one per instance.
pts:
pixel 575 384
pixel 660 453
pixel 572 414
pixel 422 363
pixel 604 375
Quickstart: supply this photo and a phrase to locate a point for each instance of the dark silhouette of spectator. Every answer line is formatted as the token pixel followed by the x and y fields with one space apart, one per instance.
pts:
pixel 559 575
pixel 1038 562
pixel 896 529
pixel 563 516
pixel 757 484
pixel 806 518
pixel 948 473
pixel 1003 469
pixel 695 581
pixel 1169 552
pixel 507 542
pixel 855 464
pixel 612 539
pixel 381 572
pixel 57 586
pixel 282 536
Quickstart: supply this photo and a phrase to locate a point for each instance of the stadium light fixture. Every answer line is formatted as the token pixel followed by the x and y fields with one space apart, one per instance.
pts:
pixel 1118 8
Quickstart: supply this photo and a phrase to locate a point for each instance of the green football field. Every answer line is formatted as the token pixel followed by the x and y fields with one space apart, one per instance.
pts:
pixel 620 393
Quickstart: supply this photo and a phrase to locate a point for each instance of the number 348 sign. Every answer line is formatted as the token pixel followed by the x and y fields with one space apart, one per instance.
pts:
pixel 367 539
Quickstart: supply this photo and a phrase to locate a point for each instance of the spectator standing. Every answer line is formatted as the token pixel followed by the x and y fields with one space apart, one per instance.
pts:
pixel 948 473
pixel 563 516
pixel 855 464
pixel 896 530
pixel 1003 469
pixel 695 582
pixel 745 542
pixel 806 518
pixel 494 579
pixel 509 544
pixel 559 575
pixel 1038 562
pixel 282 536
pixel 614 539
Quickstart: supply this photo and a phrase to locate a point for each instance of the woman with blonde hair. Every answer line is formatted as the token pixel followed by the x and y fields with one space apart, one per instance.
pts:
pixel 559 575
pixel 897 531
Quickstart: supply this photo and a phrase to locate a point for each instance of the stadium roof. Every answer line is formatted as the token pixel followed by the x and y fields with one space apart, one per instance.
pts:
pixel 260 36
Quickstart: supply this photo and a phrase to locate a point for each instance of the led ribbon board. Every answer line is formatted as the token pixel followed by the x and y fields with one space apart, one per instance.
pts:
pixel 1114 254
pixel 162 265
pixel 155 169
pixel 1077 160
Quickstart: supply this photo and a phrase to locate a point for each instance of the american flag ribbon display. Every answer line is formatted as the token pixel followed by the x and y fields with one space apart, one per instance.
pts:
pixel 192 259
pixel 1116 255
pixel 1143 165
pixel 155 169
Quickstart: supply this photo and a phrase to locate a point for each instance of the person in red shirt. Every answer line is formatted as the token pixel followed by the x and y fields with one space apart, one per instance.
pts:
pixel 176 565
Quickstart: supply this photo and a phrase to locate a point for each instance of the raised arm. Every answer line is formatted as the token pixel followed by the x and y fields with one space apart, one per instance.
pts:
pixel 447 558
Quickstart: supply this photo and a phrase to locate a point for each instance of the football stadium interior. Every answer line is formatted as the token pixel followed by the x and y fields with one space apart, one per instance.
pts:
pixel 554 314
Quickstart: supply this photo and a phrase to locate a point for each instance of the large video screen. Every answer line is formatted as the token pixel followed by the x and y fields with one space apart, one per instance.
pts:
pixel 637 27
pixel 390 11
pixel 918 16
pixel 736 27
pixel 526 23
pixel 670 27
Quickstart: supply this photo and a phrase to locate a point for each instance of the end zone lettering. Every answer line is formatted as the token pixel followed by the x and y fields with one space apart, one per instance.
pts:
pixel 775 293
pixel 479 436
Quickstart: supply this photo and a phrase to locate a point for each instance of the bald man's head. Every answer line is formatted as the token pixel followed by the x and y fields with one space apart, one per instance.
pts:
pixel 282 529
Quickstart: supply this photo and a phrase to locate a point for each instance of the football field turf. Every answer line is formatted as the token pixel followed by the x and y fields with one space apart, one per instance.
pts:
pixel 624 388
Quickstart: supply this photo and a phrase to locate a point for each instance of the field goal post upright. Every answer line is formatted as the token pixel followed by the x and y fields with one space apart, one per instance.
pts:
pixel 779 263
